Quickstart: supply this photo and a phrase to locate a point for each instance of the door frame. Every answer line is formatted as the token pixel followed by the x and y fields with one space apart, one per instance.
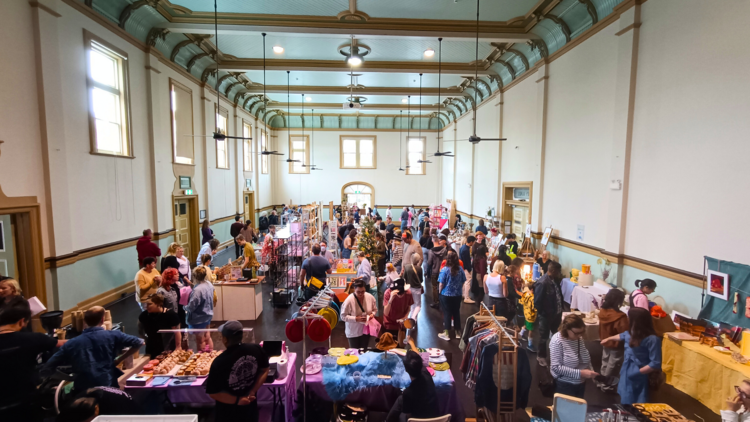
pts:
pixel 251 194
pixel 507 201
pixel 195 241
pixel 372 191
pixel 29 252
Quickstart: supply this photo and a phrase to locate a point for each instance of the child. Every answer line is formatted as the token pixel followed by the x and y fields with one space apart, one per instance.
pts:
pixel 529 313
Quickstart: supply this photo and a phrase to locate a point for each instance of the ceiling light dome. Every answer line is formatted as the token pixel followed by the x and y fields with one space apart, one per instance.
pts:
pixel 278 49
pixel 429 52
pixel 308 98
pixel 354 52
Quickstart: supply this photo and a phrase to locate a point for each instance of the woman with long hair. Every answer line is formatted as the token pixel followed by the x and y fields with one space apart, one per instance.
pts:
pixel 249 232
pixel 169 290
pixel 350 244
pixel 156 317
pixel 570 363
pixel 450 281
pixel 176 259
pixel 612 322
pixel 200 309
pixel 206 233
pixel 496 289
pixel 642 356
pixel 479 271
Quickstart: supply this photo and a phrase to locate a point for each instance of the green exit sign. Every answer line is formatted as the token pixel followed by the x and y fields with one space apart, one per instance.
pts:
pixel 188 191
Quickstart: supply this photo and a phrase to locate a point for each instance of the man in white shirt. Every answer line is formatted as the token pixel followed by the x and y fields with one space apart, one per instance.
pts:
pixel 209 247
pixel 389 212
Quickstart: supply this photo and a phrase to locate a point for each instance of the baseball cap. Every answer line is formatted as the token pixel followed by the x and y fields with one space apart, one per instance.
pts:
pixel 230 328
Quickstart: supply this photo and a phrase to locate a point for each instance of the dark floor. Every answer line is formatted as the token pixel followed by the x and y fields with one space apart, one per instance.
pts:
pixel 270 326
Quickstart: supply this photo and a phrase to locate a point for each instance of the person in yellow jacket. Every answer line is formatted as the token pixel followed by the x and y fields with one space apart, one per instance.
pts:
pixel 147 281
pixel 529 313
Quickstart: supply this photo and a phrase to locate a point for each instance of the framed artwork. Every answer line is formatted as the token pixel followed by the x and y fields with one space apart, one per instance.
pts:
pixel 202 214
pixel 718 284
pixel 546 235
pixel 185 182
pixel 527 233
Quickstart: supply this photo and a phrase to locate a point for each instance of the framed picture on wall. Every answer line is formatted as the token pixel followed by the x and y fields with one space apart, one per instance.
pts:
pixel 2 237
pixel 202 214
pixel 718 284
pixel 185 182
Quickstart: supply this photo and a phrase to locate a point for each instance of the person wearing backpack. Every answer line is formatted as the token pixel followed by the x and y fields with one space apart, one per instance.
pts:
pixel 639 297
pixel 642 357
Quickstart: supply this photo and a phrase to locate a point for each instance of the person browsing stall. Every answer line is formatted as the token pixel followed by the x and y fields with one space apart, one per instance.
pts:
pixel 316 267
pixel 419 400
pixel 18 362
pixel 451 280
pixel 642 356
pixel 199 310
pixel 397 305
pixel 411 247
pixel 325 253
pixel 639 297
pixel 209 247
pixel 234 231
pixel 236 375
pixel 147 281
pixel 94 354
pixel 482 228
pixel 612 322
pixel 156 317
pixel 145 247
pixel 570 363
pixel 544 261
pixel 436 256
pixel 249 253
pixel 356 311
pixel 548 303
pixel 176 259
pixel 206 233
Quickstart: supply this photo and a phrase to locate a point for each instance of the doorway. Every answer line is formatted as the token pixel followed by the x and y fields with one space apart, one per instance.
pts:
pixel 360 193
pixel 516 207
pixel 186 225
pixel 249 207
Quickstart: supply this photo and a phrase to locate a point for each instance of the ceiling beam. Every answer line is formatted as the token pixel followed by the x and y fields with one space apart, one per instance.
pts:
pixel 341 66
pixel 339 106
pixel 203 23
pixel 342 90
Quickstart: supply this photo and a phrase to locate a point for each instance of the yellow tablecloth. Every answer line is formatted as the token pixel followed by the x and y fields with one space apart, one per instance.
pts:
pixel 703 373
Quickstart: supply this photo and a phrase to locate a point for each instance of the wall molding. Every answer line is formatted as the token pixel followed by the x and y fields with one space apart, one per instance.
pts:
pixel 666 271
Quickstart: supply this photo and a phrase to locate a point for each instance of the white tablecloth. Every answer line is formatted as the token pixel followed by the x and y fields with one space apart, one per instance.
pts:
pixel 588 298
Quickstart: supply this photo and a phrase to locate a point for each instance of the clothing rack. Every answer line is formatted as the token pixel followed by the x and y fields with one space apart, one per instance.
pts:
pixel 507 352
pixel 323 295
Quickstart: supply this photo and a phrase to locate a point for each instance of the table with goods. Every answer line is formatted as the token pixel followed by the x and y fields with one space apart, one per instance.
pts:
pixel 372 380
pixel 239 295
pixel 181 375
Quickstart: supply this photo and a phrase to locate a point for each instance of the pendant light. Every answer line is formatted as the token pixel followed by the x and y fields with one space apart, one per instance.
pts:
pixel 288 130
pixel 312 136
pixel 265 103
pixel 420 161
pixel 400 139
pixel 440 60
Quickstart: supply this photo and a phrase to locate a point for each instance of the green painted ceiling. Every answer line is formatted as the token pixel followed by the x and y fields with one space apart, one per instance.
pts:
pixel 305 50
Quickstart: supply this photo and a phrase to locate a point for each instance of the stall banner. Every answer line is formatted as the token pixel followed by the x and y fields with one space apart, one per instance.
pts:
pixel 719 310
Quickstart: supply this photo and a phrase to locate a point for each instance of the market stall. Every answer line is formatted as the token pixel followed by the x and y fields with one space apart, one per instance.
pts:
pixel 170 373
pixel 588 298
pixel 238 298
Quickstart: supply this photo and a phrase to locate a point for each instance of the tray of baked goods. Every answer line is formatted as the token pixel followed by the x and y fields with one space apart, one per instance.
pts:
pixel 181 362
pixel 658 412
pixel 198 364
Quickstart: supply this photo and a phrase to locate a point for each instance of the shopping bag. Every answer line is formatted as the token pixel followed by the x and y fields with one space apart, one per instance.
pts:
pixel 185 295
pixel 372 327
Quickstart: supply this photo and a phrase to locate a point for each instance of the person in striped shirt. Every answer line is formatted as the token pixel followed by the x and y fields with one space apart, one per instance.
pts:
pixel 570 363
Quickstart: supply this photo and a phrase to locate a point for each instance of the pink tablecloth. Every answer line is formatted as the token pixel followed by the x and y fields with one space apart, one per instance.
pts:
pixel 195 393
pixel 381 398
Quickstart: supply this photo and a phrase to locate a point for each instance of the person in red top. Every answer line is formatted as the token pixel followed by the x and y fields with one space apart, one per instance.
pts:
pixel 145 247
pixel 397 304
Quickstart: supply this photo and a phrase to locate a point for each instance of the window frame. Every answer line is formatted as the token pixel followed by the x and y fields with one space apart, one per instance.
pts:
pixel 247 146
pixel 306 162
pixel 172 83
pixel 264 161
pixel 124 96
pixel 218 109
pixel 374 140
pixel 424 155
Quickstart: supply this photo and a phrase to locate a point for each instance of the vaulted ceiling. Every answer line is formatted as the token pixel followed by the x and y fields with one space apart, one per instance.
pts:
pixel 513 36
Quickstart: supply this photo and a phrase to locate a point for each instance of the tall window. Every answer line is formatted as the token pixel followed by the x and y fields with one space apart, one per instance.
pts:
pixel 222 145
pixel 414 153
pixel 263 158
pixel 181 100
pixel 358 153
pixel 247 150
pixel 299 149
pixel 107 81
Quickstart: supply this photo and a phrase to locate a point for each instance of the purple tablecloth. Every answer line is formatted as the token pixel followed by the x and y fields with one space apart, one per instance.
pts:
pixel 195 393
pixel 381 398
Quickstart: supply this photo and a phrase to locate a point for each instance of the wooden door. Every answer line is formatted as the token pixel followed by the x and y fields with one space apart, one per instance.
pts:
pixel 249 207
pixel 520 220
pixel 182 225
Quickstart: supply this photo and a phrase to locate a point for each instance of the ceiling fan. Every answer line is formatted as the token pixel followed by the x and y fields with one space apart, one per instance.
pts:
pixel 265 101
pixel 312 130
pixel 440 61
pixel 218 135
pixel 474 139
pixel 288 130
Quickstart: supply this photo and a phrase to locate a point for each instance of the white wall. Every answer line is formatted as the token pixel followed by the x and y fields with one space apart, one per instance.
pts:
pixel 391 186
pixel 579 137
pixel 689 180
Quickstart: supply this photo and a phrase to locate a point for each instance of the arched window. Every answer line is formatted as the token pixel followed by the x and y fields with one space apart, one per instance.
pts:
pixel 360 193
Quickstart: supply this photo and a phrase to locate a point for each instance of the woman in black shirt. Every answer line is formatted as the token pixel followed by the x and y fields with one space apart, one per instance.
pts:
pixel 156 318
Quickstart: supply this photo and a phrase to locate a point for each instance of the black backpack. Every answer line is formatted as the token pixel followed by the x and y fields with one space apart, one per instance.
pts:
pixel 263 223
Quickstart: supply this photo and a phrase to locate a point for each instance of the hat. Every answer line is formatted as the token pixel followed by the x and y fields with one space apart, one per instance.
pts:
pixel 442 237
pixel 386 342
pixel 230 328
pixel 397 232
pixel 403 236
pixel 330 316
pixel 398 284
pixel 319 330
pixel 493 230
pixel 294 330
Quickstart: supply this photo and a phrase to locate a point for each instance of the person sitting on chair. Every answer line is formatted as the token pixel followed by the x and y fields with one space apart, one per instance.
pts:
pixel 419 399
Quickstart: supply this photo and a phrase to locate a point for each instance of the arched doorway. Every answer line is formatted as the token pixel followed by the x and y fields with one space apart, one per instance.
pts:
pixel 363 194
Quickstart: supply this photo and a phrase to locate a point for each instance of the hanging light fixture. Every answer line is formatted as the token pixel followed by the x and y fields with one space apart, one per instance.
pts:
pixel 354 52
